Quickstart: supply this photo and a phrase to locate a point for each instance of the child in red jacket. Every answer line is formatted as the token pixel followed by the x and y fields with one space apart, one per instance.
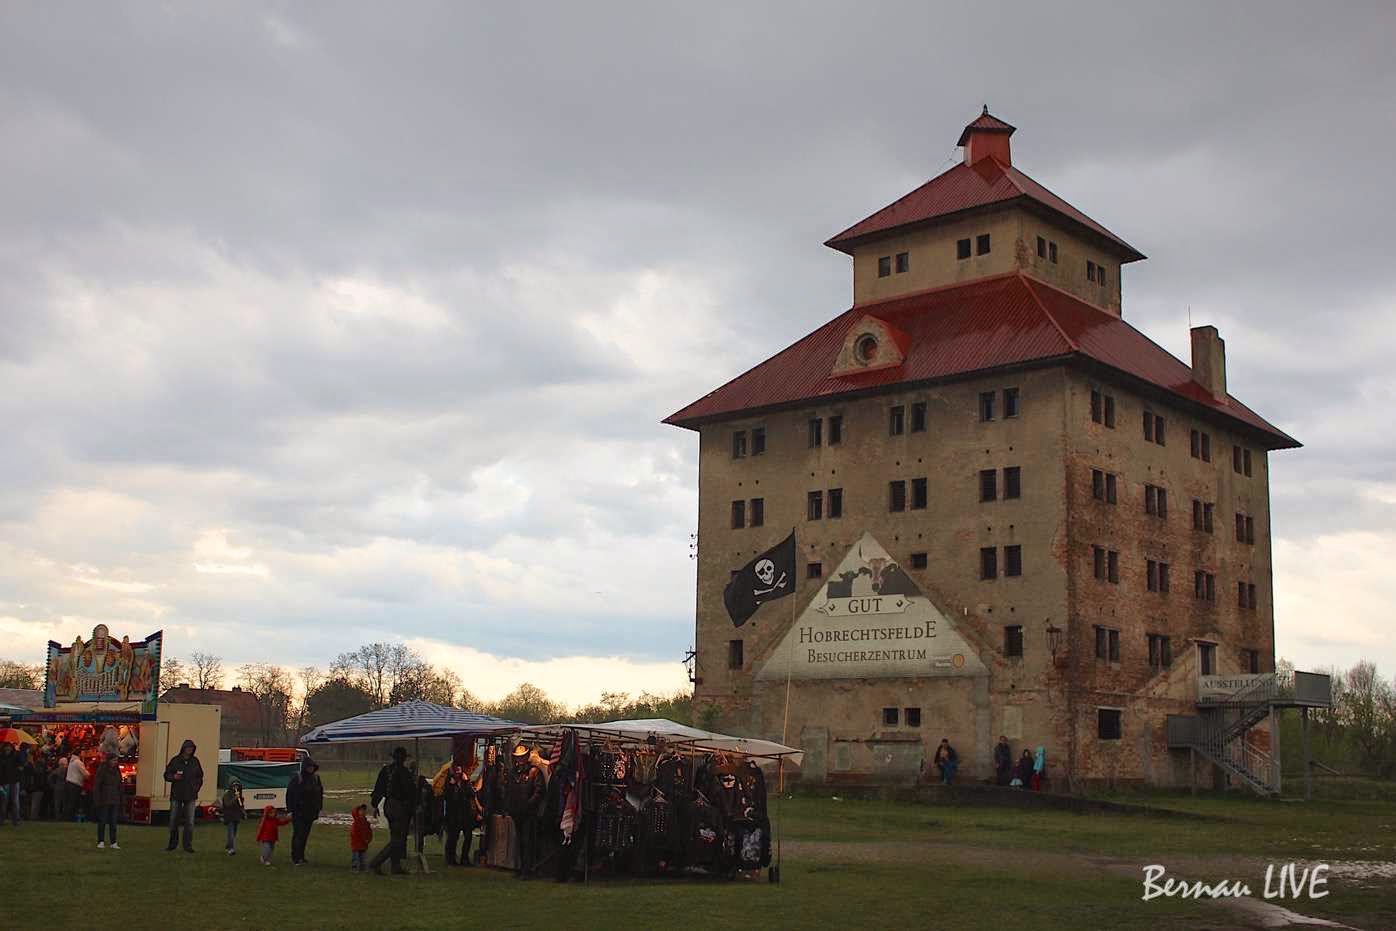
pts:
pixel 360 836
pixel 268 833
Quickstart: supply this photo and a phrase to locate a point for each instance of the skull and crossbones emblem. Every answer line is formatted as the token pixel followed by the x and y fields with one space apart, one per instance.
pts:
pixel 766 572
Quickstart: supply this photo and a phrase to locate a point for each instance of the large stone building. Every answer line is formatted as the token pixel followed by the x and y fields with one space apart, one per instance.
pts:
pixel 1070 524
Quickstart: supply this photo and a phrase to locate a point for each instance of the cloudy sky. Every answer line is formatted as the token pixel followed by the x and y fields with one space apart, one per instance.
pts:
pixel 324 323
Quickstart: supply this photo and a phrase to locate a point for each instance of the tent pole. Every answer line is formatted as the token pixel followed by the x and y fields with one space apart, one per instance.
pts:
pixel 780 823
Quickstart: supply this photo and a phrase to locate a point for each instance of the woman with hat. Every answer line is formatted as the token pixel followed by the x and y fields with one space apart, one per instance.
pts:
pixel 233 814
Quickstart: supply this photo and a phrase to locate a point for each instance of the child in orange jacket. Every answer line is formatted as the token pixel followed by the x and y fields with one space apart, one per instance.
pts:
pixel 360 836
pixel 268 833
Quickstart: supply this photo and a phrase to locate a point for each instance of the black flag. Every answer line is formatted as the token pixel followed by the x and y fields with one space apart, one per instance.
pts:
pixel 766 578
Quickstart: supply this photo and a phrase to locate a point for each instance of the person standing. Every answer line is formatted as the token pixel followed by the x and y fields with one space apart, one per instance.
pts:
pixel 460 816
pixel 36 785
pixel 106 798
pixel 9 782
pixel 72 786
pixel 1003 761
pixel 947 761
pixel 56 780
pixel 524 795
pixel 305 797
pixel 234 812
pixel 396 790
pixel 1022 777
pixel 185 774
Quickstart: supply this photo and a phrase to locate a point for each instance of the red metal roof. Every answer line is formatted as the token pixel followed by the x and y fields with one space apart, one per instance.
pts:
pixel 962 330
pixel 965 187
pixel 986 122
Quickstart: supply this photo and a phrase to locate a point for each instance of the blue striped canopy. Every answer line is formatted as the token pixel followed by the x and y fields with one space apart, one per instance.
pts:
pixel 406 721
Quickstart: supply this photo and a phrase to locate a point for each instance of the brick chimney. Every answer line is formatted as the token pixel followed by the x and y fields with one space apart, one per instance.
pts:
pixel 987 137
pixel 1209 361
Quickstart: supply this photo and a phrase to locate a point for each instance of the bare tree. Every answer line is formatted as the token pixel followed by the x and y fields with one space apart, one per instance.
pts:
pixel 311 678
pixel 206 670
pixel 272 687
pixel 20 675
pixel 172 672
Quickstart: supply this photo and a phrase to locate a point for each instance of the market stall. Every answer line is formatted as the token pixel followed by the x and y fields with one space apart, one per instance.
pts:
pixel 652 798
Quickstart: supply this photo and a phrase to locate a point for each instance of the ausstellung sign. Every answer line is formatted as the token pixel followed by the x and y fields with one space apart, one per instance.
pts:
pixel 870 621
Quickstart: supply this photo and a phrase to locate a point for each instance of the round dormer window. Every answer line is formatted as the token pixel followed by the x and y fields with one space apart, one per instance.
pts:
pixel 865 349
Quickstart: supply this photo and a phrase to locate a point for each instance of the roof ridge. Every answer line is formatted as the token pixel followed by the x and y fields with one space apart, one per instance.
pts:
pixel 1046 311
pixel 852 226
pixel 1012 170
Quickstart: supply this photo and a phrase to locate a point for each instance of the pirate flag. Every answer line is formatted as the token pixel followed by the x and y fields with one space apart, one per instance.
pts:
pixel 769 576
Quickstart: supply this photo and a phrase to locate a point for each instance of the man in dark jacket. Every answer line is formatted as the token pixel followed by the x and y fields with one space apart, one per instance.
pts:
pixel 524 799
pixel 305 796
pixel 396 789
pixel 9 781
pixel 460 816
pixel 185 775
pixel 1003 761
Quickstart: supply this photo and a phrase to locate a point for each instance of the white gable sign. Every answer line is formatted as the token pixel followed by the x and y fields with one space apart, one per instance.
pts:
pixel 870 621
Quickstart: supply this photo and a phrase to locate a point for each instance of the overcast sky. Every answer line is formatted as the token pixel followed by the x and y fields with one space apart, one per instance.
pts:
pixel 321 324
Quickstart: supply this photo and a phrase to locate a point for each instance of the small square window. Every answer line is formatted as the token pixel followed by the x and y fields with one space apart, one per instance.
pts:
pixel 1206 447
pixel 1111 488
pixel 903 262
pixel 1108 723
pixel 1052 252
pixel 739 444
pixel 1010 402
pixel 1160 651
pixel 1163 578
pixel 1246 462
pixel 758 441
pixel 1113 575
pixel 1110 411
pixel 836 430
pixel 981 244
pixel 1013 640
pixel 814 506
pixel 962 249
pixel 896 420
pixel 758 512
pixel 913 717
pixel 1098 561
pixel 918 494
pixel 1250 594
pixel 814 570
pixel 1250 529
pixel 816 431
pixel 1013 561
pixel 884 266
pixel 734 654
pixel 890 716
pixel 835 502
pixel 1100 275
pixel 988 485
pixel 1252 661
pixel 1148 426
pixel 738 515
pixel 1041 248
pixel 1098 484
pixel 1090 270
pixel 1151 575
pixel 986 405
pixel 918 560
pixel 1012 482
pixel 1207 509
pixel 918 417
pixel 1195 444
pixel 896 496
pixel 1158 430
pixel 988 563
pixel 1207 658
pixel 1236 459
pixel 1097 407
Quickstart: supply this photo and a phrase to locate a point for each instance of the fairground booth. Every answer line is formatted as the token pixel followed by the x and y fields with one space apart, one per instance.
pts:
pixel 624 798
pixel 102 696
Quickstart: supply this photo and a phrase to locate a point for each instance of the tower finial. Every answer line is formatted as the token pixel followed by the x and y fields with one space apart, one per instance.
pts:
pixel 986 110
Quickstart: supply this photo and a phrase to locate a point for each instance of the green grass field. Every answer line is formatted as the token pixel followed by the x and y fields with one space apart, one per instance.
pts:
pixel 850 863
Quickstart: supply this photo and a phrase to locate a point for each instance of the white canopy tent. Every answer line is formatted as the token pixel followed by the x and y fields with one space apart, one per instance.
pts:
pixel 642 729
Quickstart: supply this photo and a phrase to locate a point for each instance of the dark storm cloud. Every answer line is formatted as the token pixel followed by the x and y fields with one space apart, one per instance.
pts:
pixel 395 296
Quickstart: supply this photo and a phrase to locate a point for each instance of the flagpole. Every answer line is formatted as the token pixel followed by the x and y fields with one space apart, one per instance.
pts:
pixel 790 661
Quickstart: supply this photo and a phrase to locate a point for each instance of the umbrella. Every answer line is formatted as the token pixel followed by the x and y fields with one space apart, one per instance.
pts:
pixel 13 735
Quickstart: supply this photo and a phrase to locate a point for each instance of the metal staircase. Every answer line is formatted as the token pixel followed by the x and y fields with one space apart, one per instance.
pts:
pixel 1219 734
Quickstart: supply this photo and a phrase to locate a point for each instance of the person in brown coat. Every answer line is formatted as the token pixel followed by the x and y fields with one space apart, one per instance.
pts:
pixel 106 798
